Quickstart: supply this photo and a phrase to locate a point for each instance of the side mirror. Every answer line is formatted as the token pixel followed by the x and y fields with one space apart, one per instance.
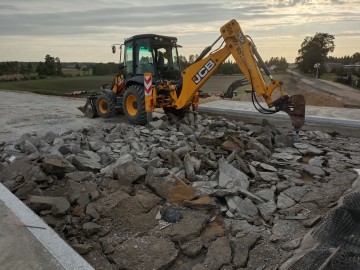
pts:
pixel 113 47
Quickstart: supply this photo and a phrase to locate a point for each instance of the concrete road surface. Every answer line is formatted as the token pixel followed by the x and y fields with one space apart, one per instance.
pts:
pixel 24 112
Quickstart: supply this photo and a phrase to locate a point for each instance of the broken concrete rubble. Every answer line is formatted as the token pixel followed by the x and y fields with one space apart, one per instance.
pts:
pixel 243 195
pixel 156 253
pixel 128 173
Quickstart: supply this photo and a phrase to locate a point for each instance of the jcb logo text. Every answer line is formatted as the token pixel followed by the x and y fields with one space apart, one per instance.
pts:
pixel 203 71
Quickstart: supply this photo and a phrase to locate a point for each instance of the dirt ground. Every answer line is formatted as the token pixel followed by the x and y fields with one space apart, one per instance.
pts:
pixel 293 86
pixel 313 96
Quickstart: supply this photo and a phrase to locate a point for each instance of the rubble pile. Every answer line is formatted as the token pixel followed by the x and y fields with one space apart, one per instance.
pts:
pixel 200 193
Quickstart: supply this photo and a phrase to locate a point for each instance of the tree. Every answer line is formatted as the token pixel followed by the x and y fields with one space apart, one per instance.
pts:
pixel 58 67
pixel 355 58
pixel 314 50
pixel 191 59
pixel 183 62
pixel 9 68
pixel 29 68
pixel 228 68
pixel 40 68
pixel 105 69
pixel 77 66
pixel 51 67
pixel 85 70
pixel 280 64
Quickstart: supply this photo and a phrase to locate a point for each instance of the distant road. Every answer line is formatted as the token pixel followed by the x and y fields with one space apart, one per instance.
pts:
pixel 333 88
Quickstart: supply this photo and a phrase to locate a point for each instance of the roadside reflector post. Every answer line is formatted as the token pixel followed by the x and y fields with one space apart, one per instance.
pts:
pixel 149 101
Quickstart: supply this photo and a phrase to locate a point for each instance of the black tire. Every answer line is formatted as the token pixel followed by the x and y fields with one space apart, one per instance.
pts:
pixel 180 113
pixel 106 104
pixel 134 105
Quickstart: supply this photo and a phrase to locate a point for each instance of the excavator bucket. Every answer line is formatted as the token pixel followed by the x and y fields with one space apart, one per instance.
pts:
pixel 294 106
pixel 89 109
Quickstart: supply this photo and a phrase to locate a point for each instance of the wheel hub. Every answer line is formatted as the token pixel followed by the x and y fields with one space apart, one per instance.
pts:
pixel 131 105
pixel 103 106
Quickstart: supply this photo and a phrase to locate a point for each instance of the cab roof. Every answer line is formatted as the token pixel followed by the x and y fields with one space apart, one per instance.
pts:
pixel 153 38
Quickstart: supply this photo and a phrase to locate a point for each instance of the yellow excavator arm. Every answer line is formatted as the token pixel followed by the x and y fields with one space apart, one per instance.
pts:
pixel 248 60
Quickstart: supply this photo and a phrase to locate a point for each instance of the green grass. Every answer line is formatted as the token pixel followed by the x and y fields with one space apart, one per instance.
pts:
pixel 64 85
pixel 75 72
pixel 59 85
pixel 325 76
pixel 329 77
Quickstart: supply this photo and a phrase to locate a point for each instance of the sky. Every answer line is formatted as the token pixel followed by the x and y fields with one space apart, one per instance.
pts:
pixel 83 30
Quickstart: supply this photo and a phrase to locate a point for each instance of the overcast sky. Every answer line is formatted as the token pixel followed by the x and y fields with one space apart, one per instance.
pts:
pixel 83 30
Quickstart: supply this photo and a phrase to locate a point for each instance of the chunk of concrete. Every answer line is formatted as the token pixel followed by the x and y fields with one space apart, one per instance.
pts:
pixel 57 165
pixel 146 252
pixel 219 254
pixel 230 177
pixel 128 173
pixel 241 248
pixel 161 185
pixel 284 201
pixel 108 170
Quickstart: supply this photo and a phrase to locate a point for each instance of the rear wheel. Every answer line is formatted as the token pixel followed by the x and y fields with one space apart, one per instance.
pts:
pixel 106 104
pixel 134 105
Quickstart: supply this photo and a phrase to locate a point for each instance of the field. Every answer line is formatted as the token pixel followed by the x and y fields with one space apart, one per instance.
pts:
pixel 59 85
pixel 66 85
pixel 75 72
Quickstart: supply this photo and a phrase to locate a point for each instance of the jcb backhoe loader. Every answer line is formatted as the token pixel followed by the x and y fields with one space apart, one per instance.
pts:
pixel 150 77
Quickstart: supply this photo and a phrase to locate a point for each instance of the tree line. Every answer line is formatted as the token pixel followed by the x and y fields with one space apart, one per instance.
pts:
pixel 345 60
pixel 14 67
pixel 52 66
pixel 313 51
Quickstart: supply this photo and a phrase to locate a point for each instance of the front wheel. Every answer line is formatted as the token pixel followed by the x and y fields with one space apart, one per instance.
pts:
pixel 106 104
pixel 134 105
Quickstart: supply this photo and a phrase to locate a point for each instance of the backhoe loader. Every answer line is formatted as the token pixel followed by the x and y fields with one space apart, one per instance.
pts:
pixel 150 77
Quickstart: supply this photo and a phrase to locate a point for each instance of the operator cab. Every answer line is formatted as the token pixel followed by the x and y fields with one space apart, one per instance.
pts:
pixel 151 53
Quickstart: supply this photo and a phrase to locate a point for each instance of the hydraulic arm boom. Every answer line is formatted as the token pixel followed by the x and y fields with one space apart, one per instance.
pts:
pixel 248 60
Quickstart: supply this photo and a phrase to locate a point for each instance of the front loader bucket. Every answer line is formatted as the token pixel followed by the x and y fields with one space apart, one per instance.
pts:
pixel 89 109
pixel 294 106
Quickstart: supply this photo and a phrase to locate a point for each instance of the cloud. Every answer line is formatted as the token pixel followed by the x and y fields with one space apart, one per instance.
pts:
pixel 115 19
pixel 44 23
pixel 96 21
pixel 348 34
pixel 8 7
pixel 280 3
